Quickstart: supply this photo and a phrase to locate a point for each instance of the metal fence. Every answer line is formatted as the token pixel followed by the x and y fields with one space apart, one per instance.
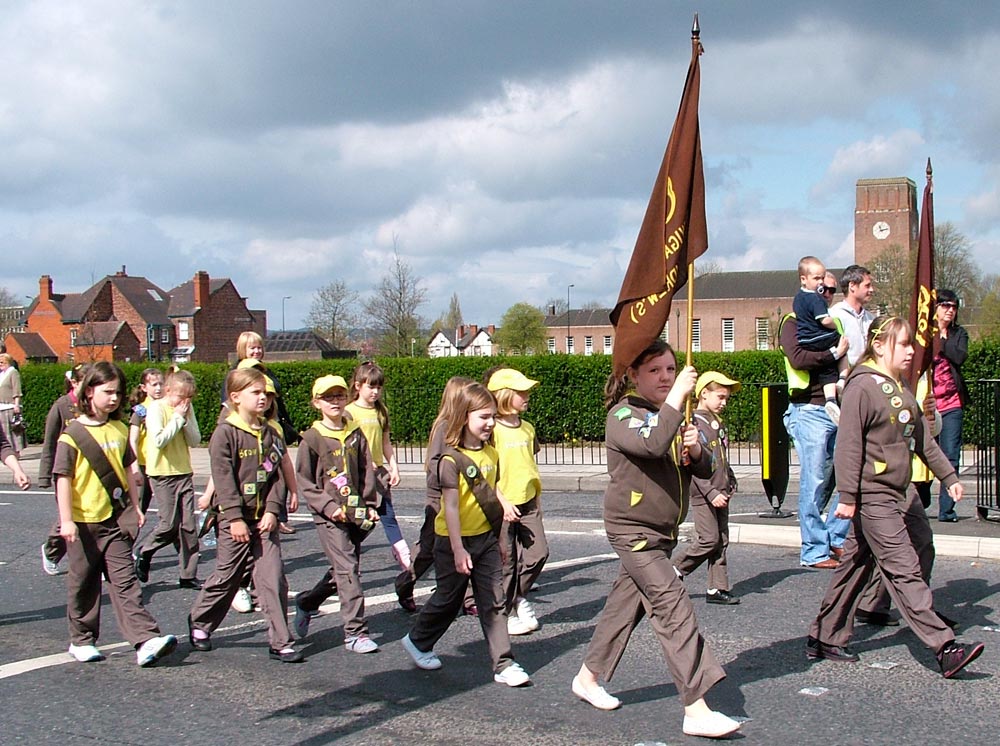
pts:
pixel 986 419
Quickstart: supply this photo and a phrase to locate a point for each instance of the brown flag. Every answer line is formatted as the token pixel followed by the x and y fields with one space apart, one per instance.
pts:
pixel 922 303
pixel 673 233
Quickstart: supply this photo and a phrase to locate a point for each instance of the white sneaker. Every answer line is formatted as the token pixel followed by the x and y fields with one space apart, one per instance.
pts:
pixel 50 567
pixel 427 661
pixel 712 725
pixel 86 653
pixel 833 410
pixel 599 698
pixel 526 613
pixel 152 650
pixel 360 644
pixel 242 602
pixel 513 675
pixel 517 626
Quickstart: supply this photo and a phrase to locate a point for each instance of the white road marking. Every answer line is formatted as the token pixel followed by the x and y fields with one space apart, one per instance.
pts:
pixel 16 668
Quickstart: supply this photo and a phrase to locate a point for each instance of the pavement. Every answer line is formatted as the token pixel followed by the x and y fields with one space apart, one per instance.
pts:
pixel 751 519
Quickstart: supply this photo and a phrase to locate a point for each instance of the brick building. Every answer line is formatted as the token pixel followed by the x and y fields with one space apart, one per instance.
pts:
pixel 739 310
pixel 127 318
pixel 208 317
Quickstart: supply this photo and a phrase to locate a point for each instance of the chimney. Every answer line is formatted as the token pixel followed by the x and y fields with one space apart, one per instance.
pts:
pixel 201 289
pixel 123 273
pixel 473 329
pixel 491 330
pixel 45 287
pixel 460 332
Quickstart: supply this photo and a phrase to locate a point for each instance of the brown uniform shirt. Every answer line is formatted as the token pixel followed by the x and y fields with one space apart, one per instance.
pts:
pixel 647 496
pixel 352 459
pixel 245 469
pixel 712 433
pixel 881 428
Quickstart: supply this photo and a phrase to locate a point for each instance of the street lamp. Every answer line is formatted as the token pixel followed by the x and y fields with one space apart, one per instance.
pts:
pixel 413 341
pixel 287 297
pixel 568 337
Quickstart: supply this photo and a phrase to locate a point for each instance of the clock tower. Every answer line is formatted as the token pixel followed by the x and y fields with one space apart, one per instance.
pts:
pixel 885 215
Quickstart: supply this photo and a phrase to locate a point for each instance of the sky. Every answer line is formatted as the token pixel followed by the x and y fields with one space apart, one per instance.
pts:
pixel 506 150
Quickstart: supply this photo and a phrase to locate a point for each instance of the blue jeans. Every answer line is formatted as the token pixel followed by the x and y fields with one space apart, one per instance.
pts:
pixel 950 440
pixel 815 434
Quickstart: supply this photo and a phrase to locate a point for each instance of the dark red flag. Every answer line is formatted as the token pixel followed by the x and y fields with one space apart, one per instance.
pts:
pixel 673 233
pixel 922 303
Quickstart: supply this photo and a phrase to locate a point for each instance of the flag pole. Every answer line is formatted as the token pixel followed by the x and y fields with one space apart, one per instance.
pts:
pixel 698 49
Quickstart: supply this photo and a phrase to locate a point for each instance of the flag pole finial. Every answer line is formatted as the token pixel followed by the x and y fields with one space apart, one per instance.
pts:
pixel 695 29
pixel 930 171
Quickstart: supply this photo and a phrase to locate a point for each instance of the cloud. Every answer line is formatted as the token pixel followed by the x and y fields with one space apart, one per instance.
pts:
pixel 880 156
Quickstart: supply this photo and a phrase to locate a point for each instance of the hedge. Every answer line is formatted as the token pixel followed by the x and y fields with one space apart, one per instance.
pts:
pixel 566 407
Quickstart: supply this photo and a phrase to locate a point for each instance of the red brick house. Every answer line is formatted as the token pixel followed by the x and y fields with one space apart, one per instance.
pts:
pixel 129 318
pixel 209 316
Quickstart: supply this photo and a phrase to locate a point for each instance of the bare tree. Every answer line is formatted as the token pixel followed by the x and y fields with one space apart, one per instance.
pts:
pixel 554 307
pixel 333 312
pixel 892 273
pixel 953 266
pixel 393 307
pixel 8 299
pixel 452 319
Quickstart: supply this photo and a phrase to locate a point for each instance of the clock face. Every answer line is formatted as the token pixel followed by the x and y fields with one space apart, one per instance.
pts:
pixel 881 230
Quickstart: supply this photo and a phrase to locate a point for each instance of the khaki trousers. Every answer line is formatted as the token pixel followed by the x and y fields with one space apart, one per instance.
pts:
pixel 177 524
pixel 527 552
pixel 341 543
pixel 103 548
pixel 647 585
pixel 878 539
pixel 875 598
pixel 264 550
pixel 711 526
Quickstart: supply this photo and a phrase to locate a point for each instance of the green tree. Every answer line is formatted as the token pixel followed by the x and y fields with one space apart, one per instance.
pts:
pixel 452 319
pixel 892 274
pixel 333 312
pixel 953 265
pixel 393 308
pixel 522 330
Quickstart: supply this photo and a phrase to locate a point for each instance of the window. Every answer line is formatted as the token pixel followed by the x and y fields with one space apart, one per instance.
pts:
pixel 588 345
pixel 183 331
pixel 607 344
pixel 569 345
pixel 695 335
pixel 72 337
pixel 665 334
pixel 728 335
pixel 763 334
pixel 165 335
pixel 552 344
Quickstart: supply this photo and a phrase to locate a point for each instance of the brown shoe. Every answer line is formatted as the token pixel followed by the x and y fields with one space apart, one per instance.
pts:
pixel 828 564
pixel 837 553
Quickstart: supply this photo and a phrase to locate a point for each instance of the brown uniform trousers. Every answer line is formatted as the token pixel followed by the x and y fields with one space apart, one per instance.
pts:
pixel 341 543
pixel 176 523
pixel 712 529
pixel 103 547
pixel 527 551
pixel 875 598
pixel 647 584
pixel 444 605
pixel 264 550
pixel 55 545
pixel 879 538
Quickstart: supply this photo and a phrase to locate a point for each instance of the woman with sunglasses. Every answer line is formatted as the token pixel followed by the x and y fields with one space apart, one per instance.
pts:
pixel 951 348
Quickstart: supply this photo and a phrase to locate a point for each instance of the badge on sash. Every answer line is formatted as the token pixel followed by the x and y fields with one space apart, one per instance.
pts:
pixel 250 489
pixel 896 401
pixel 887 388
pixel 907 431
pixel 904 416
pixel 262 474
pixel 471 471
pixel 345 491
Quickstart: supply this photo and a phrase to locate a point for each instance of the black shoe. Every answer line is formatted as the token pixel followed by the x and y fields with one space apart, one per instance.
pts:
pixel 142 564
pixel 722 597
pixel 955 656
pixel 948 519
pixel 204 644
pixel 192 583
pixel 875 618
pixel 288 655
pixel 816 650
pixel 946 619
pixel 408 604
